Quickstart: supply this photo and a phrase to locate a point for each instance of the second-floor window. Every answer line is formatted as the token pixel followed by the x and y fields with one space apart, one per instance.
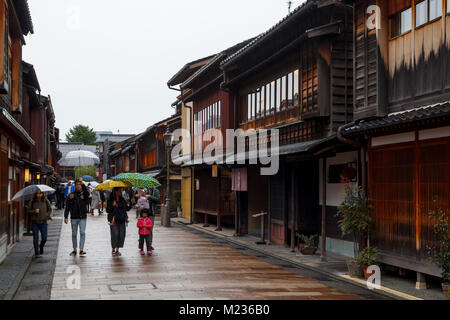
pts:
pixel 208 118
pixel 401 22
pixel 275 96
pixel 428 10
pixel 149 159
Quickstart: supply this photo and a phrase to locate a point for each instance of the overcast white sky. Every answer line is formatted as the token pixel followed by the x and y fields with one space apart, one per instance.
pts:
pixel 105 63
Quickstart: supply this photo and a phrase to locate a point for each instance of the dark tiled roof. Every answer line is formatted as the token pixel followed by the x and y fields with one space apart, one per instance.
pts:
pixel 23 12
pixel 436 111
pixel 184 72
pixel 264 35
pixel 223 55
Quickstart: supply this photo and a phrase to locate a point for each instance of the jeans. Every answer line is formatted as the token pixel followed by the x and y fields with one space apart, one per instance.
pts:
pixel 144 239
pixel 39 227
pixel 82 224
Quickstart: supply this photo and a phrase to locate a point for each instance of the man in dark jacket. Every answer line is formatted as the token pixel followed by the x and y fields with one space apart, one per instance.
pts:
pixel 77 206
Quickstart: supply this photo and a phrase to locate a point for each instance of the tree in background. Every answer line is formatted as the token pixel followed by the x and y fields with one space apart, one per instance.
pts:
pixel 82 134
pixel 85 171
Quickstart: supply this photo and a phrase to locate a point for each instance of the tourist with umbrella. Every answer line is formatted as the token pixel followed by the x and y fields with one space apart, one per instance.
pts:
pixel 77 207
pixel 143 181
pixel 40 210
pixel 117 208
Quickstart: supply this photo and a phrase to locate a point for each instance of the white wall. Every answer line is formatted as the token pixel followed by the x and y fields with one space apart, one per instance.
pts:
pixel 335 191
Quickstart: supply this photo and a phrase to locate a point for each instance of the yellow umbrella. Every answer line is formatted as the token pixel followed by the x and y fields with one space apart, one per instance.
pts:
pixel 109 185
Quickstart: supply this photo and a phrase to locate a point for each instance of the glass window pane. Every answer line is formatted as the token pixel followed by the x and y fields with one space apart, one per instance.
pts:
pixel 249 106
pixel 283 92
pixel 195 124
pixel 421 13
pixel 258 103
pixel 268 101
pixel 253 105
pixel 290 89
pixel 263 102
pixel 272 98
pixel 296 87
pixel 279 94
pixel 448 6
pixel 435 9
pixel 406 20
pixel 216 116
pixel 220 113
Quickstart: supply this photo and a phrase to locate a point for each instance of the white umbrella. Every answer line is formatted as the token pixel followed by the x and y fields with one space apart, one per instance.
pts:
pixel 93 184
pixel 80 158
pixel 28 192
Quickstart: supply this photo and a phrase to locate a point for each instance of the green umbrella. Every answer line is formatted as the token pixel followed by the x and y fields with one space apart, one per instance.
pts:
pixel 138 180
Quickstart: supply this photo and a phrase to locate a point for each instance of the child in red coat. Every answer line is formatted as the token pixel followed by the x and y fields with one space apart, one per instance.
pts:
pixel 144 225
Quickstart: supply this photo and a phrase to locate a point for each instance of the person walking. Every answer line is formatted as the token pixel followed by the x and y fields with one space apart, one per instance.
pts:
pixel 142 203
pixel 117 208
pixel 154 200
pixel 77 207
pixel 95 202
pixel 40 210
pixel 60 196
pixel 103 200
pixel 144 225
pixel 68 190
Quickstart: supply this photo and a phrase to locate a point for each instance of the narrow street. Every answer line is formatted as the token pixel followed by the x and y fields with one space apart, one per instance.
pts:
pixel 183 266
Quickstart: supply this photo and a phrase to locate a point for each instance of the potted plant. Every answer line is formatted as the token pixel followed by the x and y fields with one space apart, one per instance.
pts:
pixel 354 219
pixel 440 255
pixel 367 257
pixel 307 246
pixel 178 203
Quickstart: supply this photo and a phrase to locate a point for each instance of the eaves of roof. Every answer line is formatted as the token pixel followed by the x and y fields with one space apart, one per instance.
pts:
pixel 259 39
pixel 440 111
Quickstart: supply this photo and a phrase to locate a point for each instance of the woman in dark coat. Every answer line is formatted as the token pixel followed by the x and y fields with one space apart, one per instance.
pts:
pixel 116 208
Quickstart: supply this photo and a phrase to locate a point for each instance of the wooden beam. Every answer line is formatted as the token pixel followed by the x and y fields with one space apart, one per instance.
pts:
pixel 324 208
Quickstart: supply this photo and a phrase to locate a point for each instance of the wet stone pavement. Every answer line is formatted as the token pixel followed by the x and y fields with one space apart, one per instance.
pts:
pixel 185 265
pixel 30 278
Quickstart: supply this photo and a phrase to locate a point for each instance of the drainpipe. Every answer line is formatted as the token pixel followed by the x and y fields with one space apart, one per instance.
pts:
pixel 191 122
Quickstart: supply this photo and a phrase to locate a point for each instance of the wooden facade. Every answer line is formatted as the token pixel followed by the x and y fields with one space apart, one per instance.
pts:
pixel 29 139
pixel 296 78
pixel 213 112
pixel 402 87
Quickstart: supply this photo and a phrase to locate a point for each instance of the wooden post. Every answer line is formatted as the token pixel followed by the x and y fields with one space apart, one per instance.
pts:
pixel 206 225
pixel 236 213
pixel 292 212
pixel 219 203
pixel 324 209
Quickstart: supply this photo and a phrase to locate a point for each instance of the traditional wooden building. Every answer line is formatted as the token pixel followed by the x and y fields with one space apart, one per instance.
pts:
pixel 26 155
pixel 296 78
pixel 402 121
pixel 187 180
pixel 212 110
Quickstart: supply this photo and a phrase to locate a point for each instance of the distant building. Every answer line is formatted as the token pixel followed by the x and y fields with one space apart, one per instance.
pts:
pixel 104 140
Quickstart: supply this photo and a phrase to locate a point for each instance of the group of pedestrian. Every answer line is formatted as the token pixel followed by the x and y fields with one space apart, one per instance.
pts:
pixel 79 202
